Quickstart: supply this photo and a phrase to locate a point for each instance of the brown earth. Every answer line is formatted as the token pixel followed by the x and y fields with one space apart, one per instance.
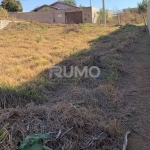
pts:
pixel 136 90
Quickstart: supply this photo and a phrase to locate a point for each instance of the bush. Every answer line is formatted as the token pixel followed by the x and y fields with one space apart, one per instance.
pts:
pixel 142 8
pixel 3 13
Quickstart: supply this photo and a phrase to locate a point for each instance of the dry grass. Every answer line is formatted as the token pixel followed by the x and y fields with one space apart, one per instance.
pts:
pixel 28 49
pixel 86 111
pixel 70 127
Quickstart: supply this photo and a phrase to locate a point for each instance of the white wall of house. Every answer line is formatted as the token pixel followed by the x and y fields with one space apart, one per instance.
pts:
pixel 95 14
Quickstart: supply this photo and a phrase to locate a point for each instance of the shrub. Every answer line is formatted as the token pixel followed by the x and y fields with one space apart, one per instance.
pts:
pixel 142 8
pixel 3 13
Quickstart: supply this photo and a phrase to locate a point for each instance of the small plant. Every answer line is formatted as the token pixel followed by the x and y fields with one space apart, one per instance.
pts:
pixel 82 25
pixel 33 142
pixel 39 38
pixel 102 37
pixel 82 53
pixel 43 27
pixel 131 27
pixel 100 15
pixel 111 76
pixel 46 82
pixel 3 133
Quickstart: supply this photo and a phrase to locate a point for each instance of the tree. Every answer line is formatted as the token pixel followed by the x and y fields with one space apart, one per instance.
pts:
pixel 12 5
pixel 71 2
pixel 142 8
pixel 100 15
pixel 47 9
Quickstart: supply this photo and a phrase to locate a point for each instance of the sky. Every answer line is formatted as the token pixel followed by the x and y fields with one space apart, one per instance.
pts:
pixel 115 5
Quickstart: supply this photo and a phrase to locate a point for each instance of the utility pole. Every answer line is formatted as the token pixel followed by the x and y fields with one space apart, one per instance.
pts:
pixel 90 3
pixel 104 12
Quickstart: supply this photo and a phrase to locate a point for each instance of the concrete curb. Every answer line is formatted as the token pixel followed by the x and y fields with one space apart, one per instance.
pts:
pixel 4 23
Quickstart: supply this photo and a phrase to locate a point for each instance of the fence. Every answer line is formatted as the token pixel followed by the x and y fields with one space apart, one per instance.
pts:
pixel 45 17
pixel 126 17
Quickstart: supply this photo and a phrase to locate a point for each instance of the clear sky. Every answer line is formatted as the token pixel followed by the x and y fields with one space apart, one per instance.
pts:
pixel 29 5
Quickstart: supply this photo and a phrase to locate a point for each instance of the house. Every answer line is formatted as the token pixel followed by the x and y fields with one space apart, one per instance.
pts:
pixel 60 12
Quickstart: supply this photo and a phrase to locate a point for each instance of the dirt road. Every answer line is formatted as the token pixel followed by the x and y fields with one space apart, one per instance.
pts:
pixel 136 89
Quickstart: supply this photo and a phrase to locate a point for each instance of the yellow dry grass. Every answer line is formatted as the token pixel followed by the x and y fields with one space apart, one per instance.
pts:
pixel 83 108
pixel 27 49
pixel 3 13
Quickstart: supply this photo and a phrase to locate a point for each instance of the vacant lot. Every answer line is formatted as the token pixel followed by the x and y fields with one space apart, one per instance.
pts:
pixel 87 113
pixel 29 49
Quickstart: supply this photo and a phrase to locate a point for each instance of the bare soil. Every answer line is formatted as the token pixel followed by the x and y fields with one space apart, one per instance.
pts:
pixel 135 87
